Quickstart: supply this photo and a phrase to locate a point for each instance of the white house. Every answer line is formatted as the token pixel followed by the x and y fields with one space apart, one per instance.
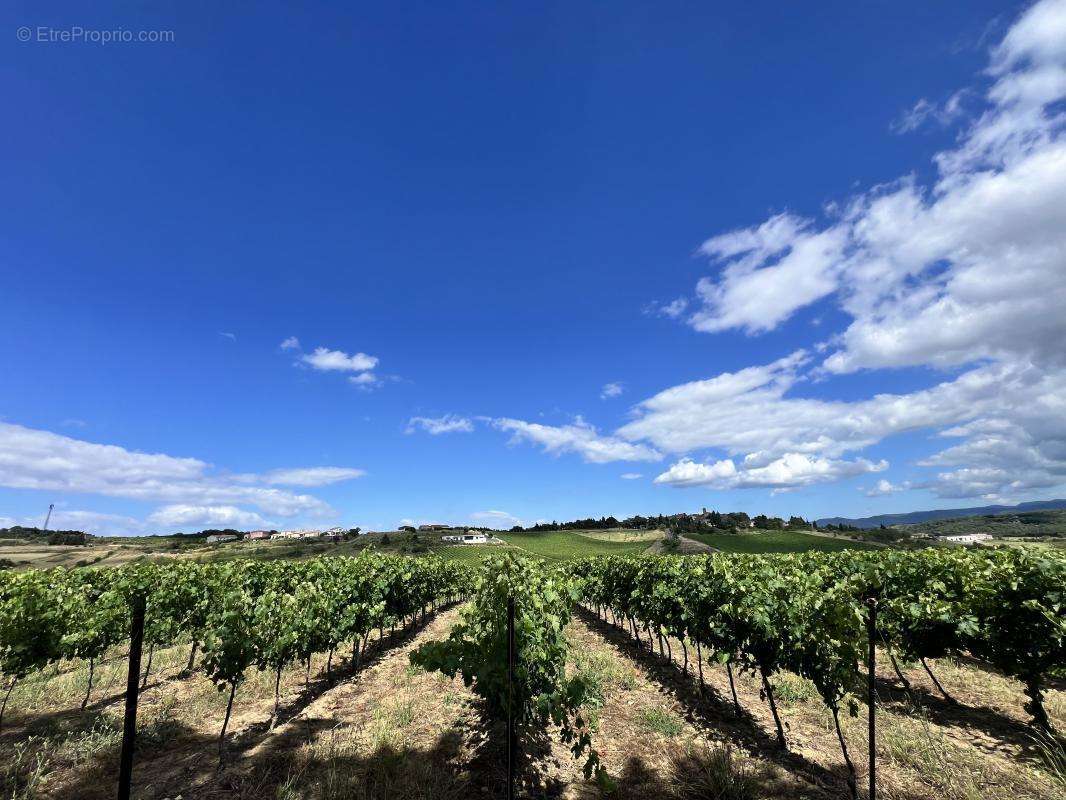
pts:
pixel 967 538
pixel 470 537
pixel 297 535
pixel 216 538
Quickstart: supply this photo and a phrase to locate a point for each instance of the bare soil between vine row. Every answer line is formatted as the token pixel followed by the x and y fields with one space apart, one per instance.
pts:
pixel 392 731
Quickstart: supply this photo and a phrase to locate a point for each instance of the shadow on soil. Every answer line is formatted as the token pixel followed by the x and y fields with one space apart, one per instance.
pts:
pixel 709 709
pixel 997 728
pixel 174 759
pixel 466 761
pixel 387 774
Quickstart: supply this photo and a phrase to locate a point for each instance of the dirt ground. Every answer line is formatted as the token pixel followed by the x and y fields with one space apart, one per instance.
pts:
pixel 390 730
pixel 685 547
pixel 624 535
pixel 44 556
pixel 979 747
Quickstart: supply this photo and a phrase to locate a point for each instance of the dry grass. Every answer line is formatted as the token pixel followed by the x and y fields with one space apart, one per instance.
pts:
pixel 624 535
pixel 658 721
pixel 39 556
pixel 1052 753
pixel 790 689
pixel 921 758
pixel 702 773
pixel 393 732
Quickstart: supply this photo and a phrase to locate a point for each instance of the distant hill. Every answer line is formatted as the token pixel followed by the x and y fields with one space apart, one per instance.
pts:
pixel 914 517
pixel 1051 523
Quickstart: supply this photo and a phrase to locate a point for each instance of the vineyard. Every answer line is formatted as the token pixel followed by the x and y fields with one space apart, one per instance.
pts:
pixel 729 640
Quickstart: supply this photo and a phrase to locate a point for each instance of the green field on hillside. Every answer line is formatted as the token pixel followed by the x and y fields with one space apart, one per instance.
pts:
pixel 470 553
pixel 562 545
pixel 775 542
pixel 550 545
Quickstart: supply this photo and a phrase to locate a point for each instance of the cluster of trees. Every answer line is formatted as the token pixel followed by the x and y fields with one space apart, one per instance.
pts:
pixel 683 523
pixel 68 537
pixel 842 528
pixel 590 524
pixel 691 523
pixel 208 532
pixel 882 534
pixel 52 537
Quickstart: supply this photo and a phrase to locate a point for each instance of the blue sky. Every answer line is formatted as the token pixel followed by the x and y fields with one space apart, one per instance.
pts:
pixel 820 253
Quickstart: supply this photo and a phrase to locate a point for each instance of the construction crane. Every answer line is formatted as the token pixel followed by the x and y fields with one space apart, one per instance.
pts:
pixel 48 516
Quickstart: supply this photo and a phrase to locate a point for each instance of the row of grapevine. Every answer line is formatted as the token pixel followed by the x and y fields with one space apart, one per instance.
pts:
pixel 805 613
pixel 240 614
pixel 477 649
pixel 756 613
pixel 1005 607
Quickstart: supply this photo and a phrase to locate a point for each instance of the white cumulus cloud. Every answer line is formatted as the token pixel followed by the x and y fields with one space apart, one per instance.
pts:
pixel 967 273
pixel 183 515
pixel 36 459
pixel 578 437
pixel 884 487
pixel 311 476
pixel 337 360
pixel 770 271
pixel 792 470
pixel 965 269
pixel 449 423
pixel 365 380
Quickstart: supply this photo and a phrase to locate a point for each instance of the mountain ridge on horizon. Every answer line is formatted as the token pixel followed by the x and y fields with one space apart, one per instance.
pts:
pixel 913 517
